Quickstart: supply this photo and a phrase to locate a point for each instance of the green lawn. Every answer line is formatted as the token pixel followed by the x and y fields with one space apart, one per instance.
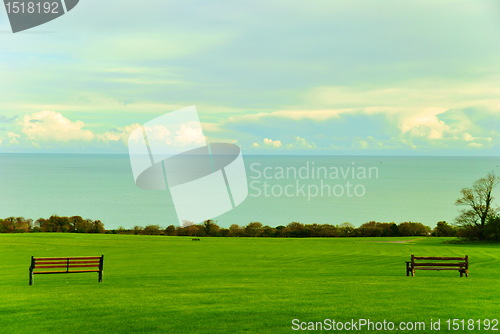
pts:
pixel 155 284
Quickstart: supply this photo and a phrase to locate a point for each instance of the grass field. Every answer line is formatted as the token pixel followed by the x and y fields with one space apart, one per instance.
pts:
pixel 239 285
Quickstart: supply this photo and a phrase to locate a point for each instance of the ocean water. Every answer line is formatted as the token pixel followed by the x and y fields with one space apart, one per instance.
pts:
pixel 282 189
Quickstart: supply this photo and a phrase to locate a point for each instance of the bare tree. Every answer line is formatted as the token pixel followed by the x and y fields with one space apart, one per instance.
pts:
pixel 478 201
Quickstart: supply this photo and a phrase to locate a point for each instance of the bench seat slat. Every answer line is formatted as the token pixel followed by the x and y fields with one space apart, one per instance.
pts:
pixel 421 264
pixel 69 257
pixel 70 266
pixel 65 261
pixel 65 272
pixel 439 258
pixel 438 269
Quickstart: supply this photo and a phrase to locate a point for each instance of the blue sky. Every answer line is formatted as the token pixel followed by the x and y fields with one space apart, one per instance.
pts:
pixel 278 77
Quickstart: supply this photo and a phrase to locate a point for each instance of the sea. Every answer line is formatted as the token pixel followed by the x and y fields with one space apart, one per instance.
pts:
pixel 281 189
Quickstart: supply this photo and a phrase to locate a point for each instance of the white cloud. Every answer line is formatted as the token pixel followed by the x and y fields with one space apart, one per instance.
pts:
pixel 212 127
pixel 318 115
pixel 272 143
pixel 363 144
pixel 189 135
pixel 176 135
pixel 13 138
pixel 445 128
pixel 120 134
pixel 425 124
pixel 468 137
pixel 370 142
pixel 302 143
pixel 50 126
pixel 298 143
pixel 409 95
pixel 269 143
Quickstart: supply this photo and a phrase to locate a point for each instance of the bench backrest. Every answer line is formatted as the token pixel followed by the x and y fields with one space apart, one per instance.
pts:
pixel 67 263
pixel 433 261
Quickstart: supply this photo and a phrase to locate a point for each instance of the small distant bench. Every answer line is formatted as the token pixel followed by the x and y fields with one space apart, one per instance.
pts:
pixel 196 239
pixel 66 265
pixel 438 263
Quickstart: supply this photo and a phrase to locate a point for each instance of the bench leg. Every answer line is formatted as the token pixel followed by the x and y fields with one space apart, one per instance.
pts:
pixel 408 268
pixel 31 277
pixel 99 279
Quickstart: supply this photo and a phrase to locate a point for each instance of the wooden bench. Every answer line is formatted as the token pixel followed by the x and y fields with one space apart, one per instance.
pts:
pixel 195 239
pixel 438 263
pixel 66 265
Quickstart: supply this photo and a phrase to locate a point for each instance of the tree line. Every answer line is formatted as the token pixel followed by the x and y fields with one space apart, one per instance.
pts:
pixel 209 228
pixel 75 224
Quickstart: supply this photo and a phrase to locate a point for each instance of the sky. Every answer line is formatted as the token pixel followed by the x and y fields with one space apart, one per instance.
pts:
pixel 357 77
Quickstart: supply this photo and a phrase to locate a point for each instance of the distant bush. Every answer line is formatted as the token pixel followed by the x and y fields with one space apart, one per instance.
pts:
pixel 410 229
pixel 443 229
